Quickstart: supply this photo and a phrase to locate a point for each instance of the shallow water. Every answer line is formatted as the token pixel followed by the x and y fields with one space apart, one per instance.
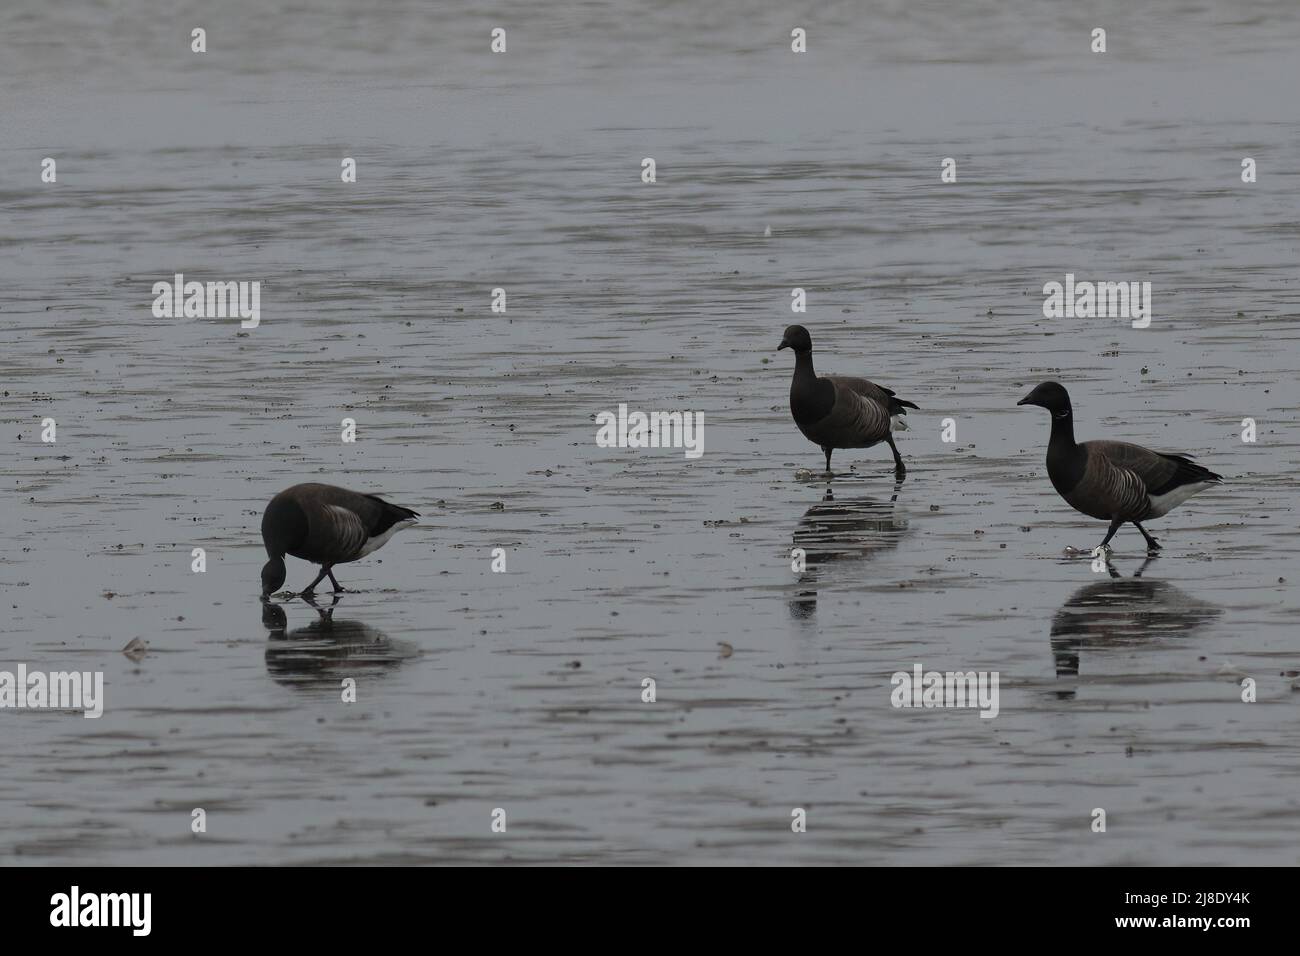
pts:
pixel 523 690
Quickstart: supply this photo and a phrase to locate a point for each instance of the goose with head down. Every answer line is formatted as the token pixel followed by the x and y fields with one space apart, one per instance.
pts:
pixel 326 525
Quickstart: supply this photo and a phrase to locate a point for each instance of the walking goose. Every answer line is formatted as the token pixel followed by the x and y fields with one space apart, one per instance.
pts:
pixel 1114 480
pixel 326 525
pixel 837 412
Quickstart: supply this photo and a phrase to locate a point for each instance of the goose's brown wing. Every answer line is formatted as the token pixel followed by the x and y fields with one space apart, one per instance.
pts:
pixel 878 393
pixel 1109 490
pixel 863 387
pixel 858 419
pixel 335 534
pixel 1155 470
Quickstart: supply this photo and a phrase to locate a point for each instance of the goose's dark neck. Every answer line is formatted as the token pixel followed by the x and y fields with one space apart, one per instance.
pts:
pixel 811 398
pixel 1062 432
pixel 803 365
pixel 1066 461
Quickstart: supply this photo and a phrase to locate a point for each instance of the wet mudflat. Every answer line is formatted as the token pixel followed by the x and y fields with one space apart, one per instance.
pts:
pixel 523 690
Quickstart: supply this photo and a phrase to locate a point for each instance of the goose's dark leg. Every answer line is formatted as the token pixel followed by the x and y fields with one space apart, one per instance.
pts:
pixel 337 586
pixel 899 468
pixel 828 458
pixel 309 589
pixel 1114 526
pixel 1152 543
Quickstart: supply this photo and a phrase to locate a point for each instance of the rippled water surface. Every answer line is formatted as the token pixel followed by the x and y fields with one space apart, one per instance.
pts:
pixel 522 690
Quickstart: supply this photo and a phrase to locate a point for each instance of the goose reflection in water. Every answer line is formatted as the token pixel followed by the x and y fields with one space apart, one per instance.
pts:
pixel 326 650
pixel 842 530
pixel 1119 612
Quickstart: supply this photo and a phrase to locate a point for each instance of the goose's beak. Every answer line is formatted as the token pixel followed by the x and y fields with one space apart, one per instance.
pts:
pixel 1025 401
pixel 784 345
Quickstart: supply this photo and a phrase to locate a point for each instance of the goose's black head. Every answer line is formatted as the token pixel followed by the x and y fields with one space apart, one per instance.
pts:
pixel 272 576
pixel 1051 396
pixel 796 337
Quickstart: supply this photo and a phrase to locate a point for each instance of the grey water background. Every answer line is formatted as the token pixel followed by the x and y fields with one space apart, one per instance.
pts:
pixel 523 690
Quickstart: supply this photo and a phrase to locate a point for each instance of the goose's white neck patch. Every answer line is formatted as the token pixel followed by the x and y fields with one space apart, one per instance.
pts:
pixel 379 540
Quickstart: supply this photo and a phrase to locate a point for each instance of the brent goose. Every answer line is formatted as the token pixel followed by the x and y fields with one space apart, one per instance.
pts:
pixel 1113 480
pixel 326 525
pixel 838 412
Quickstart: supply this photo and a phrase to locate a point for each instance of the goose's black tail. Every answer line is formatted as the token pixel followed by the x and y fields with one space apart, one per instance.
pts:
pixel 391 514
pixel 897 406
pixel 1187 473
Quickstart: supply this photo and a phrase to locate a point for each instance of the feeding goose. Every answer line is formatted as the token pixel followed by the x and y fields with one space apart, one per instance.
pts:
pixel 837 412
pixel 326 525
pixel 1114 480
